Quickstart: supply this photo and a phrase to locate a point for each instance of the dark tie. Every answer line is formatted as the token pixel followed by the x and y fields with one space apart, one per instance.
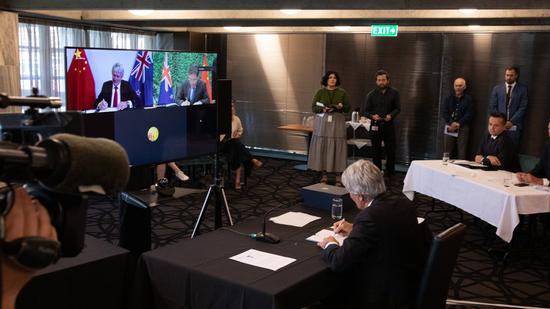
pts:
pixel 115 97
pixel 508 97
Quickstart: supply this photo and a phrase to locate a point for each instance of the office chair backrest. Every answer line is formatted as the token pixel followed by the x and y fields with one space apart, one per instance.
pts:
pixel 434 284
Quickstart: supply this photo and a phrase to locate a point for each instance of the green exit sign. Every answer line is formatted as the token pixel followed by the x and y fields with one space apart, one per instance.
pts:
pixel 383 30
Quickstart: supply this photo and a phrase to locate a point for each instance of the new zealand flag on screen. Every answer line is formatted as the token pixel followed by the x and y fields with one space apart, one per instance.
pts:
pixel 166 93
pixel 141 77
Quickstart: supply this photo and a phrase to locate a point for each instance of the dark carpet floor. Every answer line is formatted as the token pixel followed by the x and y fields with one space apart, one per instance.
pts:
pixel 479 275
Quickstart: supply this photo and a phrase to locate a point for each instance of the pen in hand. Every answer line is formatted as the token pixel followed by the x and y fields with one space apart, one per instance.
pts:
pixel 337 227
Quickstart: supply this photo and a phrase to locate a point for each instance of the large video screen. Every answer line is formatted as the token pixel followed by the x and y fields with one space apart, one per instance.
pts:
pixel 146 78
pixel 157 104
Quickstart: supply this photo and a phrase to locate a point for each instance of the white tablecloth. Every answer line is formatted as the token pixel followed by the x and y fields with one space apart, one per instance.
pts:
pixel 481 193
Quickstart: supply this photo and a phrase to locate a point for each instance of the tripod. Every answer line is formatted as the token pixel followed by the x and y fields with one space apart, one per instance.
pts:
pixel 219 192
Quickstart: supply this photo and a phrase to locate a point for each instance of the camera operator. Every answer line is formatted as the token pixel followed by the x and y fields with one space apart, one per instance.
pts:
pixel 27 218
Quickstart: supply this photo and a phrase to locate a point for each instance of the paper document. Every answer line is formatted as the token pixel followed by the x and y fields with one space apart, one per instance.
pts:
pixel 325 233
pixel 468 163
pixel 298 219
pixel 447 132
pixel 262 259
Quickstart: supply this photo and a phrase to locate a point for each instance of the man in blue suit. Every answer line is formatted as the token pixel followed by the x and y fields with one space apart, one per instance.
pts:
pixel 511 99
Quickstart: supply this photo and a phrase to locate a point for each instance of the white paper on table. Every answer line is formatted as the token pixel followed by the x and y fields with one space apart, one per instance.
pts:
pixel 293 218
pixel 262 259
pixel 447 132
pixel 317 237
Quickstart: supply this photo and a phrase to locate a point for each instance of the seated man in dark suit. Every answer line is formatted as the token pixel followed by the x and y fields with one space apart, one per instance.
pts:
pixel 193 90
pixel 497 150
pixel 117 93
pixel 384 254
pixel 540 175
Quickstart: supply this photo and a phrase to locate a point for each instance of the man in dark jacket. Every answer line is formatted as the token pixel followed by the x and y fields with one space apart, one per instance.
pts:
pixel 383 256
pixel 497 150
pixel 457 111
pixel 540 175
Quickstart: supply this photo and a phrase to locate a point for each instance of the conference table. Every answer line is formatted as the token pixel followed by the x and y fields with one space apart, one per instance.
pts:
pixel 197 273
pixel 491 196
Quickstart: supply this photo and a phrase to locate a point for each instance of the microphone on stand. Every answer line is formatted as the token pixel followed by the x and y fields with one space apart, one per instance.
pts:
pixel 263 236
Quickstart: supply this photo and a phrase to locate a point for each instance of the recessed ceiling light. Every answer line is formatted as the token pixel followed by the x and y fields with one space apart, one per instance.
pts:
pixel 290 11
pixel 141 12
pixel 232 28
pixel 474 26
pixel 342 28
pixel 467 11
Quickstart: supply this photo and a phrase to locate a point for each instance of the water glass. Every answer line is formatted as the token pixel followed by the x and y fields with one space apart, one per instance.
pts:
pixel 337 208
pixel 445 158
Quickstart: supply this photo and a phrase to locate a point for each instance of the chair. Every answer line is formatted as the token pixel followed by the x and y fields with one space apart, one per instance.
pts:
pixel 434 284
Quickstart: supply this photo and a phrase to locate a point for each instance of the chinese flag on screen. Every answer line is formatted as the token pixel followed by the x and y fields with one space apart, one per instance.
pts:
pixel 206 79
pixel 80 83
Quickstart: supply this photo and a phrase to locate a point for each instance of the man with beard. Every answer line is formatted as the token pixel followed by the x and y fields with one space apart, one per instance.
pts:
pixel 382 106
pixel 511 99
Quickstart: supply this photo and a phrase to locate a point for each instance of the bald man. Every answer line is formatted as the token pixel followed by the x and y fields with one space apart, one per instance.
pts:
pixel 457 111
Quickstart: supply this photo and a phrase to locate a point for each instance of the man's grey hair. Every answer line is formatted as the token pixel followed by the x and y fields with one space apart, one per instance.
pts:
pixel 117 67
pixel 363 177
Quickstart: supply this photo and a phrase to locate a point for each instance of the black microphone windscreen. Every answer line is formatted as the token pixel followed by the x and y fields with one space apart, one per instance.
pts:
pixel 94 161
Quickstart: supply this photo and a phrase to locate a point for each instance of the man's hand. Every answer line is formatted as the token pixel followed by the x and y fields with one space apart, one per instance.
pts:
pixel 478 158
pixel 325 241
pixel 454 126
pixel 387 118
pixel 102 105
pixel 528 178
pixel 494 160
pixel 26 218
pixel 342 227
pixel 376 117
pixel 123 105
pixel 508 125
pixel 339 105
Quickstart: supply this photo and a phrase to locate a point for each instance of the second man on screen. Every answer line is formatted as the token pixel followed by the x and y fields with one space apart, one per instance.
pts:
pixel 382 106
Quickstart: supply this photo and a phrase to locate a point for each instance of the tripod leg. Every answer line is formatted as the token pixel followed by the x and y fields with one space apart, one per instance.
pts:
pixel 203 211
pixel 227 212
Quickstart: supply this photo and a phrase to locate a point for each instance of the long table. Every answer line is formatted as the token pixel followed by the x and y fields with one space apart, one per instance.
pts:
pixel 197 273
pixel 484 194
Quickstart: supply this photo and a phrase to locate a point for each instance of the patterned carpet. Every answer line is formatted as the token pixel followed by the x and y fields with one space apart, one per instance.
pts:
pixel 479 276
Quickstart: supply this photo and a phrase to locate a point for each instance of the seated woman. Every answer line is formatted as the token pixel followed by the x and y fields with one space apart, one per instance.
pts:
pixel 161 171
pixel 237 154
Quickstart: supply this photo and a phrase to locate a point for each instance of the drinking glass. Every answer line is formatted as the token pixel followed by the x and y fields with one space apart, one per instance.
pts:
pixel 337 205
pixel 445 158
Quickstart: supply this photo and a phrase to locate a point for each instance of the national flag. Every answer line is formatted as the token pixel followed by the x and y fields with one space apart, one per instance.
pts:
pixel 205 78
pixel 80 83
pixel 166 94
pixel 141 77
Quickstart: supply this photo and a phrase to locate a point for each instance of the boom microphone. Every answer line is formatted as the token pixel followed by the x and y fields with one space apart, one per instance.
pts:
pixel 66 162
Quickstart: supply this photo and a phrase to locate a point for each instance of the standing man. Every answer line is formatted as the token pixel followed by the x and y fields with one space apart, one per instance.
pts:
pixel 457 110
pixel 117 92
pixel 382 106
pixel 511 99
pixel 193 90
pixel 497 149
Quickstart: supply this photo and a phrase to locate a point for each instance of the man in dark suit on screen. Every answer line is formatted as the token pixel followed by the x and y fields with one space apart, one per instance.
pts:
pixel 497 150
pixel 384 254
pixel 117 93
pixel 510 98
pixel 193 90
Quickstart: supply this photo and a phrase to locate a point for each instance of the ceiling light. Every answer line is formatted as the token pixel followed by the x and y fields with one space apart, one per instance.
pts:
pixel 232 28
pixel 141 12
pixel 342 28
pixel 474 26
pixel 290 11
pixel 467 11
